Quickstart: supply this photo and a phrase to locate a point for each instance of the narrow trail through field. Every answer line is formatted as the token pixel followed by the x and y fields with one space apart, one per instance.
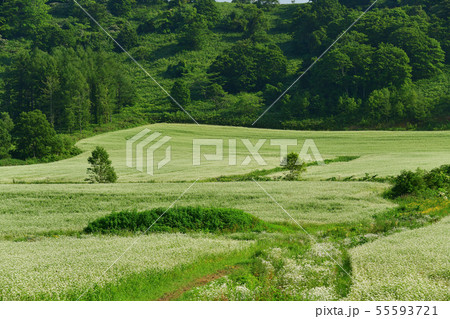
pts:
pixel 202 281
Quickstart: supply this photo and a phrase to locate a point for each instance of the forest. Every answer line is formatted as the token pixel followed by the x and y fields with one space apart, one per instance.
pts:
pixel 61 75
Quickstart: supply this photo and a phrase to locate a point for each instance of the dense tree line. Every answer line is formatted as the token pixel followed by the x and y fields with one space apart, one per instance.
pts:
pixel 73 87
pixel 33 137
pixel 368 77
pixel 225 63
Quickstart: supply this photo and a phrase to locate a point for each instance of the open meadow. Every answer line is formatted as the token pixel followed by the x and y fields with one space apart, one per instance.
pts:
pixel 45 207
pixel 383 153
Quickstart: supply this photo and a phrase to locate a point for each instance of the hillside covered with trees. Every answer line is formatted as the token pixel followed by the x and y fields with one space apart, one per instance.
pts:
pixel 225 63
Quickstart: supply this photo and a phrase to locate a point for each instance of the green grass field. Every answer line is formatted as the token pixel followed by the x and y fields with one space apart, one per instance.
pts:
pixel 383 153
pixel 44 208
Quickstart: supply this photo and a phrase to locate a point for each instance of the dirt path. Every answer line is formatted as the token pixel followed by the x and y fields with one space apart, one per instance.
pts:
pixel 196 283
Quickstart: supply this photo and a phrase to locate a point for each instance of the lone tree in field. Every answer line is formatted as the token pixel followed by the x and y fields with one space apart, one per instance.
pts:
pixel 101 170
pixel 295 168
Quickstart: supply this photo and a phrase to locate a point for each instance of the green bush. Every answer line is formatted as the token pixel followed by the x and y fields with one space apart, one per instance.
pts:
pixel 177 219
pixel 408 182
pixel 420 181
pixel 437 178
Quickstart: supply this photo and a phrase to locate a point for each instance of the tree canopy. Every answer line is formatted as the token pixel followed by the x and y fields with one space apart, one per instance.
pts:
pixel 227 62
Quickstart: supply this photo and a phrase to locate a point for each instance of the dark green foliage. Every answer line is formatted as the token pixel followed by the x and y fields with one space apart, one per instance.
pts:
pixel 6 126
pixel 97 9
pixel 22 18
pixel 294 166
pixel 246 18
pixel 355 3
pixel 390 70
pixel 127 37
pixel 266 4
pixel 32 140
pixel 415 183
pixel 181 93
pixel 408 182
pixel 120 7
pixel 313 17
pixel 6 122
pixel 208 9
pixel 177 219
pixel 438 178
pixel 178 70
pixel 34 136
pixel 172 20
pixel 369 71
pixel 390 66
pixel 249 66
pixel 424 52
pixel 101 170
pixel 72 87
pixel 52 35
pixel 195 35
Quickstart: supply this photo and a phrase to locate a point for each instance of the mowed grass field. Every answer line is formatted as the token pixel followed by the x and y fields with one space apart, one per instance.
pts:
pixel 44 208
pixel 383 153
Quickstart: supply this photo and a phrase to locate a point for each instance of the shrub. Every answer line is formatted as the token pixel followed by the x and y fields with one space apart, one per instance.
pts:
pixel 420 181
pixel 408 183
pixel 177 219
pixel 437 178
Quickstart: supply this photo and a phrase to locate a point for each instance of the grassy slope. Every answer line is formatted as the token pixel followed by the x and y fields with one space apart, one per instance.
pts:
pixel 383 153
pixel 28 210
pixel 411 265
